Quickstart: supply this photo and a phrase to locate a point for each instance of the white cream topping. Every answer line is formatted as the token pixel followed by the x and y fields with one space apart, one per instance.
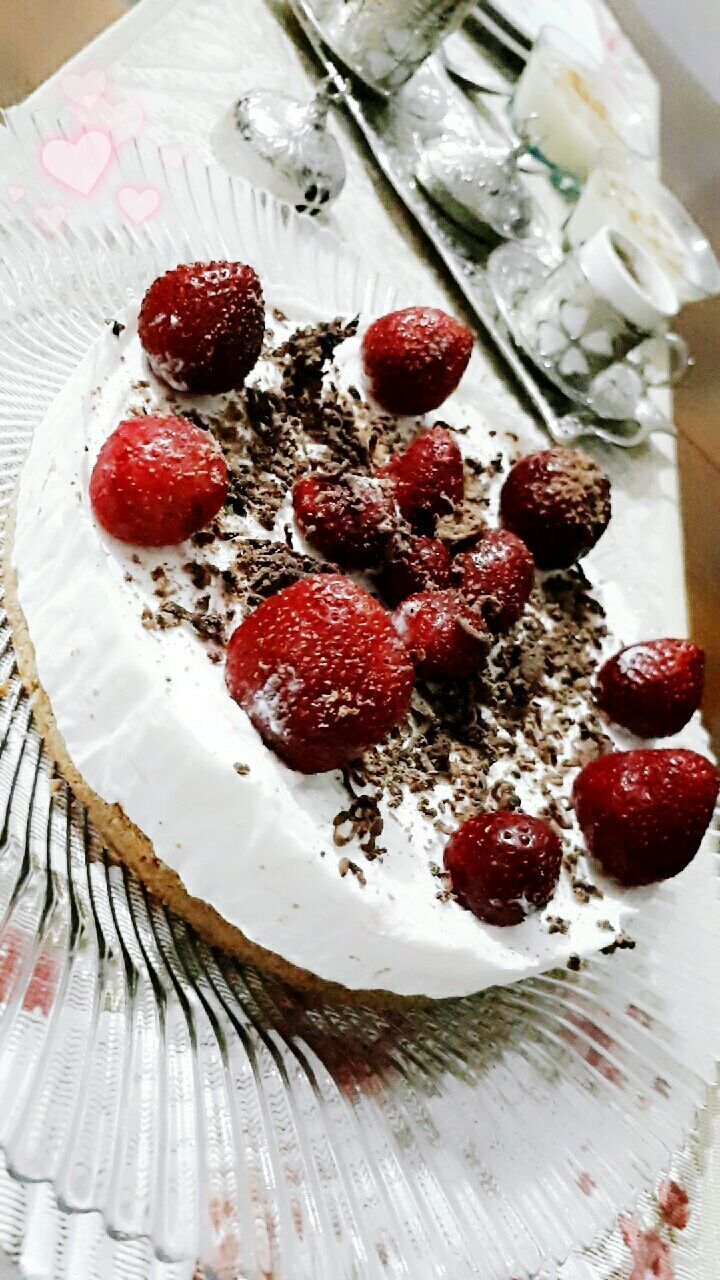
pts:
pixel 147 720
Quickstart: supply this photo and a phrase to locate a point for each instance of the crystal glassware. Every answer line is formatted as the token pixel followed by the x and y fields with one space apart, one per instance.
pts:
pixel 283 146
pixel 639 205
pixel 570 110
pixel 596 325
pixel 167 1113
pixel 385 41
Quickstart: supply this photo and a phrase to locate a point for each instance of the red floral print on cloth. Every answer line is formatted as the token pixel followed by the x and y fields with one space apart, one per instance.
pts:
pixel 650 1254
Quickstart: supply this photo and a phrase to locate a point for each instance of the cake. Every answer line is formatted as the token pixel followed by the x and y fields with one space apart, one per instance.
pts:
pixel 336 879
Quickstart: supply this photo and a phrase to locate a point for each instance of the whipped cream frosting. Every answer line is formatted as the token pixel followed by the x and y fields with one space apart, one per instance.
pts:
pixel 147 720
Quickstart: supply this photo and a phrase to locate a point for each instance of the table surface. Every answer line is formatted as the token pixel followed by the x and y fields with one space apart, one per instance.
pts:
pixel 182 99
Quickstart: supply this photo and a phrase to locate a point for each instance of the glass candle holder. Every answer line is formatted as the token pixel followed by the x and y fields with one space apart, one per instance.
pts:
pixel 597 325
pixel 569 110
pixel 385 41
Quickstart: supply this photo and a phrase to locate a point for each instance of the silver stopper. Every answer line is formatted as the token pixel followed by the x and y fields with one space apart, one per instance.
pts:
pixel 483 193
pixel 284 146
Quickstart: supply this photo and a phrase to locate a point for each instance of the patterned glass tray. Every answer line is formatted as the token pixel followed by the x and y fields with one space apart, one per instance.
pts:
pixel 166 1113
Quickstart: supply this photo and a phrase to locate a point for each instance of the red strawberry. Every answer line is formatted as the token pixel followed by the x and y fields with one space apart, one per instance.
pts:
pixel 558 502
pixel 349 519
pixel 414 359
pixel 428 478
pixel 445 635
pixel 202 326
pixel 653 688
pixel 157 480
pixel 644 813
pixel 416 564
pixel 320 671
pixel 498 575
pixel 503 866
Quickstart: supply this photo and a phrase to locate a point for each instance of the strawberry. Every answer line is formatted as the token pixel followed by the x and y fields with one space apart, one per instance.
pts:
pixel 497 575
pixel 414 359
pixel 558 502
pixel 349 519
pixel 157 480
pixel 644 813
pixel 415 564
pixel 653 688
pixel 503 866
pixel 202 326
pixel 446 637
pixel 427 479
pixel 320 671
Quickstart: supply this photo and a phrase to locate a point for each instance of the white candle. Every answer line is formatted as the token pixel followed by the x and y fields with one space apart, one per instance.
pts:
pixel 566 107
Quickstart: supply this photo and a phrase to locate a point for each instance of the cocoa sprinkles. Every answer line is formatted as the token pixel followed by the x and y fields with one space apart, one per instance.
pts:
pixel 531 708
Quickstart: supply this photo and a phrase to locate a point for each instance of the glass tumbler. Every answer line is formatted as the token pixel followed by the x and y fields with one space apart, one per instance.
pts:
pixel 569 110
pixel 385 41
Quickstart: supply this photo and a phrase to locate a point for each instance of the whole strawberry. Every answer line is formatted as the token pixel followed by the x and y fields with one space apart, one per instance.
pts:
pixel 503 866
pixel 644 813
pixel 653 688
pixel 415 564
pixel 202 326
pixel 497 575
pixel 558 502
pixel 321 672
pixel 428 480
pixel 414 359
pixel 157 481
pixel 446 637
pixel 349 519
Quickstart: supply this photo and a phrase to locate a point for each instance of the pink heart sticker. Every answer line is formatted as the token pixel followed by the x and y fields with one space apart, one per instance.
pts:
pixel 138 203
pixel 15 194
pixel 86 89
pixel 121 120
pixel 50 216
pixel 78 165
pixel 172 154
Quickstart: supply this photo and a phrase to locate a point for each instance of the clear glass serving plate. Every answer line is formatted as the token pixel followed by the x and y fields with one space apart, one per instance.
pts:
pixel 167 1113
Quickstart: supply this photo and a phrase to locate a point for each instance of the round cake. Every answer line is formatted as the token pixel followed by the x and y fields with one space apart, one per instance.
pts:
pixel 334 880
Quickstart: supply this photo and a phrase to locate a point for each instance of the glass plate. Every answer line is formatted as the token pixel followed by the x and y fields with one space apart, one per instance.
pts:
pixel 167 1113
